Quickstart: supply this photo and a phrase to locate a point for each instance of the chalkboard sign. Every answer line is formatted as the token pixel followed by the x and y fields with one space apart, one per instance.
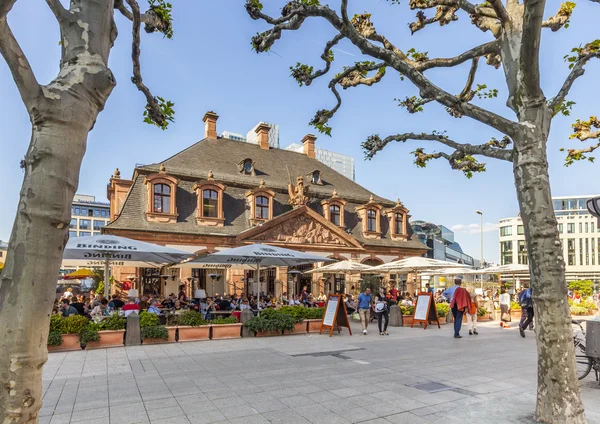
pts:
pixel 425 310
pixel 335 314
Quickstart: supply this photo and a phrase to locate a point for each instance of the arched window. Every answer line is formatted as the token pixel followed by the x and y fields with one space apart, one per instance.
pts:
pixel 262 207
pixel 371 220
pixel 334 214
pixel 162 198
pixel 211 204
pixel 398 223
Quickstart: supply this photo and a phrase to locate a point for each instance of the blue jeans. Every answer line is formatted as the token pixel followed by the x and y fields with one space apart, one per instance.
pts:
pixel 458 316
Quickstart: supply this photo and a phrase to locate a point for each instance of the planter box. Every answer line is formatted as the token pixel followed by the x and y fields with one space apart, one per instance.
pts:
pixel 172 334
pixel 407 320
pixel 69 342
pixel 442 320
pixel 188 334
pixel 485 317
pixel 515 315
pixel 226 331
pixel 155 341
pixel 300 328
pixel 268 333
pixel 314 325
pixel 108 338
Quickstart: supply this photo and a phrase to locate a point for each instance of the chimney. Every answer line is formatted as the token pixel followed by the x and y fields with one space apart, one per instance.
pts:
pixel 210 124
pixel 263 135
pixel 309 145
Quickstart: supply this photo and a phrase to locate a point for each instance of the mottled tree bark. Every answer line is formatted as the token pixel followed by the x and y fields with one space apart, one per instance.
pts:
pixel 62 113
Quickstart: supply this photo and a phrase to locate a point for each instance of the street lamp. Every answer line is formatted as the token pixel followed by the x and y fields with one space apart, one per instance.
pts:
pixel 478 212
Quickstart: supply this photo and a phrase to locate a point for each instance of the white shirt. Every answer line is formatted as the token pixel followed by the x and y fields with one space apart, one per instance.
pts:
pixel 505 299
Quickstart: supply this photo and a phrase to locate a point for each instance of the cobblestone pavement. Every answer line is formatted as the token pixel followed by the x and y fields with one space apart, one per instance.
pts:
pixel 412 376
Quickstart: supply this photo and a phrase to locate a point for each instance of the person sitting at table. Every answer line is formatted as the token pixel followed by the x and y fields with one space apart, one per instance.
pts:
pixel 101 310
pixel 322 297
pixel 210 309
pixel 130 307
pixel 153 308
pixel 115 303
pixel 177 305
pixel 244 305
pixel 66 309
pixel 350 305
pixel 79 304
pixel 143 303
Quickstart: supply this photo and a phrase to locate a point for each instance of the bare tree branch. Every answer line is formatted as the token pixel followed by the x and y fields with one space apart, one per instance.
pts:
pixel 493 149
pixel 153 108
pixel 467 94
pixel 501 12
pixel 304 73
pixel 360 33
pixel 493 47
pixel 576 71
pixel 16 60
pixel 530 48
pixel 60 13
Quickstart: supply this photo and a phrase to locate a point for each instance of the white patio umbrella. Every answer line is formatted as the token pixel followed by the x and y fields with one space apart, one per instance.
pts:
pixel 342 267
pixel 260 255
pixel 415 263
pixel 505 269
pixel 452 271
pixel 111 248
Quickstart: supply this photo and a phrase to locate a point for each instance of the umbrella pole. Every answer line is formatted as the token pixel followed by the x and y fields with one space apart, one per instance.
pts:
pixel 107 288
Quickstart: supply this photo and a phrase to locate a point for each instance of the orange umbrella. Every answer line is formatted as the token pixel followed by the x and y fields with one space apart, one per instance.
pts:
pixel 79 274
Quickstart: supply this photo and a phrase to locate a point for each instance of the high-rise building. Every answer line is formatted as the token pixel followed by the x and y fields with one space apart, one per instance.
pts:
pixel 440 240
pixel 579 235
pixel 88 216
pixel 252 136
pixel 233 136
pixel 340 163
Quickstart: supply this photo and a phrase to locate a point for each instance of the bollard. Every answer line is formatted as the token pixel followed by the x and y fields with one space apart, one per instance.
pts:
pixel 395 316
pixel 133 336
pixel 245 316
pixel 592 339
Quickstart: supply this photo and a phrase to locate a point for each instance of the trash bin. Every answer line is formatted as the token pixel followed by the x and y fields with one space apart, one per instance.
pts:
pixel 592 339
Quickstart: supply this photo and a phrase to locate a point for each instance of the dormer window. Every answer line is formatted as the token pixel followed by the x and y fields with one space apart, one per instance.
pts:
pixel 370 214
pixel 261 204
pixel 246 167
pixel 333 209
pixel 371 220
pixel 162 198
pixel 398 217
pixel 162 191
pixel 210 202
pixel 334 214
pixel 315 177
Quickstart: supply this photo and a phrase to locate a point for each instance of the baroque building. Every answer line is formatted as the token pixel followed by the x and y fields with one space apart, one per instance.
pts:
pixel 221 193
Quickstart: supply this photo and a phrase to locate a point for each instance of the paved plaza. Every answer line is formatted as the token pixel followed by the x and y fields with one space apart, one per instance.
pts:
pixel 411 376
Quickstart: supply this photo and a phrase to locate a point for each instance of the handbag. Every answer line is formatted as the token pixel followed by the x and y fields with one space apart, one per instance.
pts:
pixel 506 317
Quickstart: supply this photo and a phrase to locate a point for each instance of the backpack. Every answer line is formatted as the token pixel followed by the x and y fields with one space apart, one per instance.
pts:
pixel 526 301
pixel 381 307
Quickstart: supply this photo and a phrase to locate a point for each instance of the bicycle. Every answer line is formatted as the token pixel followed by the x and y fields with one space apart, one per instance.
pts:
pixel 584 363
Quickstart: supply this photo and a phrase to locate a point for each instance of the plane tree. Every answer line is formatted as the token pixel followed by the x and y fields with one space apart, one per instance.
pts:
pixel 513 45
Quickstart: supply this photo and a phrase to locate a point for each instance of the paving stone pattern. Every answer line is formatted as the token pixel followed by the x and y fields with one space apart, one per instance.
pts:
pixel 413 376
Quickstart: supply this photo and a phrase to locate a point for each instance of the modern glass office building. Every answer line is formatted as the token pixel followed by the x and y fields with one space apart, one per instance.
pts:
pixel 88 216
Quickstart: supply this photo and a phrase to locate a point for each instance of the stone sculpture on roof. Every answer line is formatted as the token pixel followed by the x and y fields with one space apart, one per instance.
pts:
pixel 297 193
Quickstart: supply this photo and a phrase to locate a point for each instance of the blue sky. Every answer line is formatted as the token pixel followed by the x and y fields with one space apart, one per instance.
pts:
pixel 209 65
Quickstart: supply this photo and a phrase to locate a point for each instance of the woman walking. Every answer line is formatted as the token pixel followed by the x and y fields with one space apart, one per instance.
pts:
pixel 472 316
pixel 504 309
pixel 382 312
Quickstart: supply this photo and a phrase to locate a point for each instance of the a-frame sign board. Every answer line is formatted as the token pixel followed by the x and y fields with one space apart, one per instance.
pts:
pixel 335 314
pixel 425 310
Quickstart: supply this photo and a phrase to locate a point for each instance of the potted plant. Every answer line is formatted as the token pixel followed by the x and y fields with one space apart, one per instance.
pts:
pixel 192 327
pixel 89 334
pixel 225 328
pixel 172 322
pixel 111 332
pixel 314 318
pixel 442 310
pixel 151 330
pixel 69 329
pixel 483 314
pixel 407 315
pixel 298 317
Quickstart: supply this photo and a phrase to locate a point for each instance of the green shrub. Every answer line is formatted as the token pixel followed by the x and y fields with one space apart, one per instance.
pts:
pixel 279 322
pixel 191 318
pixel 269 313
pixel 314 313
pixel 514 306
pixel 172 319
pixel 298 313
pixel 54 338
pixel 578 310
pixel 74 324
pixel 481 312
pixel 219 321
pixel 584 287
pixel 56 323
pixel 590 306
pixel 442 309
pixel 113 322
pixel 89 333
pixel 148 319
pixel 407 310
pixel 154 332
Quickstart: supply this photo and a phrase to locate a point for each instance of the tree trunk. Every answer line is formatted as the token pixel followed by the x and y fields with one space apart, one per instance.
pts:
pixel 558 393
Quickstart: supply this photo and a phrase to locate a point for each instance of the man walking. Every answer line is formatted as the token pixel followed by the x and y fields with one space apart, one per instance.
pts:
pixel 364 308
pixel 526 302
pixel 461 302
pixel 523 306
